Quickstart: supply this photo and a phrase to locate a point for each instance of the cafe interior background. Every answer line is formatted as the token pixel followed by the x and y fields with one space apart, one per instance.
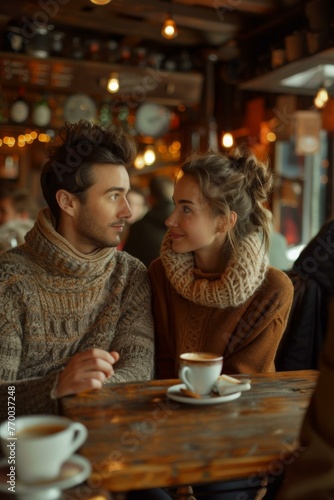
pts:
pixel 260 71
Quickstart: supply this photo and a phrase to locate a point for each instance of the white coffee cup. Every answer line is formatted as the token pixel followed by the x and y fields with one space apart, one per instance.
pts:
pixel 40 444
pixel 199 371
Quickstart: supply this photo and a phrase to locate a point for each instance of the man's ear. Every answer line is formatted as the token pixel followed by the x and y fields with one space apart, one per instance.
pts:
pixel 66 201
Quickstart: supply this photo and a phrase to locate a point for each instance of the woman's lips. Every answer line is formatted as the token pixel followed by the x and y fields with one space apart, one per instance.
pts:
pixel 176 236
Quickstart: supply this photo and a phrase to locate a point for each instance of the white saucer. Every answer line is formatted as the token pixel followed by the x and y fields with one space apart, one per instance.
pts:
pixel 73 472
pixel 174 393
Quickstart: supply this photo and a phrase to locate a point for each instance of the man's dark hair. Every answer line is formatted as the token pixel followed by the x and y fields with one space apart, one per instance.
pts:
pixel 80 146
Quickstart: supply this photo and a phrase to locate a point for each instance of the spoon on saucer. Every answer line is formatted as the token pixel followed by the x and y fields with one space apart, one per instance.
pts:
pixel 189 393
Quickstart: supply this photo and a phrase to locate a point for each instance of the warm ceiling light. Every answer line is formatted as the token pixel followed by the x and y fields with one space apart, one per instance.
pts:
pixel 113 83
pixel 271 137
pixel 100 2
pixel 321 98
pixel 227 140
pixel 169 29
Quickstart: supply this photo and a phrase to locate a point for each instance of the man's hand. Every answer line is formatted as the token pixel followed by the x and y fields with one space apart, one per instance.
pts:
pixel 86 371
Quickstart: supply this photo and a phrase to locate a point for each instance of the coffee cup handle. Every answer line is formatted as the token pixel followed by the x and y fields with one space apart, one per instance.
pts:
pixel 183 374
pixel 79 436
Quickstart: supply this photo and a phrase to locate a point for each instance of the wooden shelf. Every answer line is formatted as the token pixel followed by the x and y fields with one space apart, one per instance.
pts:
pixel 67 76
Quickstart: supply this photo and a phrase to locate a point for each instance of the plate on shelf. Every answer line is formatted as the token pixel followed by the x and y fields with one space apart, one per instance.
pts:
pixel 79 106
pixel 174 393
pixel 74 471
pixel 152 119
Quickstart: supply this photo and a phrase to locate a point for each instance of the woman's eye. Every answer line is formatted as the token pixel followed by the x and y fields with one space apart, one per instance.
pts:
pixel 186 210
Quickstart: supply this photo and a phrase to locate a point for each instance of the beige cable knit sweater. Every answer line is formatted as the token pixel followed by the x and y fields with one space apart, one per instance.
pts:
pixel 55 301
pixel 240 314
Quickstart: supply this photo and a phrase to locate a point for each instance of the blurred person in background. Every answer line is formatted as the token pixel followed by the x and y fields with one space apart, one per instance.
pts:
pixel 18 211
pixel 278 248
pixel 312 275
pixel 146 235
pixel 311 475
pixel 137 201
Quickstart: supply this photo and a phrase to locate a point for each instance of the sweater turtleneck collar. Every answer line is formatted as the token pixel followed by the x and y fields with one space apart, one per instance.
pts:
pixel 244 274
pixel 54 252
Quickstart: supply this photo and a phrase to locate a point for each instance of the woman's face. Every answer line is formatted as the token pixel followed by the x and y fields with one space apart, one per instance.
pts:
pixel 193 227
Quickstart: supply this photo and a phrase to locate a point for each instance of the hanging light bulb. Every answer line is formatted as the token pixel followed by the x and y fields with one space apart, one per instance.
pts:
pixel 149 156
pixel 169 29
pixel 100 2
pixel 227 140
pixel 323 94
pixel 113 83
pixel 321 98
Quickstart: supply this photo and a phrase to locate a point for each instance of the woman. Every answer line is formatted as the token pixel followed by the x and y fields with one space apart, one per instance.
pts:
pixel 212 287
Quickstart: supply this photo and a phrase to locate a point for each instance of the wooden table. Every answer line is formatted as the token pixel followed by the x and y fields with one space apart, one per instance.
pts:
pixel 140 439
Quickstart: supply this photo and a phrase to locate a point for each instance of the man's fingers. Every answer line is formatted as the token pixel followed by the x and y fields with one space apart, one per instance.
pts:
pixel 89 363
pixel 79 381
pixel 94 354
pixel 86 371
pixel 115 356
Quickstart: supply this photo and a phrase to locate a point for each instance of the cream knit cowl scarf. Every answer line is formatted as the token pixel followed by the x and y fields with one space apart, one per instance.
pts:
pixel 243 275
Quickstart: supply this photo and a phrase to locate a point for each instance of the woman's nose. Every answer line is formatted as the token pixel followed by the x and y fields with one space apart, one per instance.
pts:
pixel 171 220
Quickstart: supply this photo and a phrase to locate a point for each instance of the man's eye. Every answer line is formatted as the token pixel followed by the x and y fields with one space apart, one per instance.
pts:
pixel 114 196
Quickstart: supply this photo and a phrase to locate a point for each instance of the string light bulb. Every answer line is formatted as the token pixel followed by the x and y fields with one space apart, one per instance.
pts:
pixel 149 156
pixel 169 29
pixel 113 83
pixel 100 2
pixel 139 162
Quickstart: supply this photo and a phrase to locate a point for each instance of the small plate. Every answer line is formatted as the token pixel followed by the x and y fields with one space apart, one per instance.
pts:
pixel 73 472
pixel 174 393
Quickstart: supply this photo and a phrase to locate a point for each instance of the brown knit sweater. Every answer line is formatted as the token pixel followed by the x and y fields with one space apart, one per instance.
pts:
pixel 55 302
pixel 240 314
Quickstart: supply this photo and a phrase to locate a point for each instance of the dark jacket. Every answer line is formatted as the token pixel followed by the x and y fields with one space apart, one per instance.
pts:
pixel 313 279
pixel 146 235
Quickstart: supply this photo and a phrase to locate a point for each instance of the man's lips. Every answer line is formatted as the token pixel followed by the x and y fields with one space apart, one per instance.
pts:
pixel 120 227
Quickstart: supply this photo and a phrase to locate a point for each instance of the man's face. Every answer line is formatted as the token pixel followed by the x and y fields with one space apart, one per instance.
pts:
pixel 99 218
pixel 7 211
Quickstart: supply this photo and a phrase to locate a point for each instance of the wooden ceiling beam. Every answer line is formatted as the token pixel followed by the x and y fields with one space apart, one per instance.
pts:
pixel 197 25
pixel 260 7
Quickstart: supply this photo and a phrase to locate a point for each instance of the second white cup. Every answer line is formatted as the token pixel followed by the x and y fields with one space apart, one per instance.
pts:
pixel 41 445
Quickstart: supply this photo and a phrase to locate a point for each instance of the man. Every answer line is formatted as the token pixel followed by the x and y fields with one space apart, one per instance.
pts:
pixel 74 312
pixel 146 235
